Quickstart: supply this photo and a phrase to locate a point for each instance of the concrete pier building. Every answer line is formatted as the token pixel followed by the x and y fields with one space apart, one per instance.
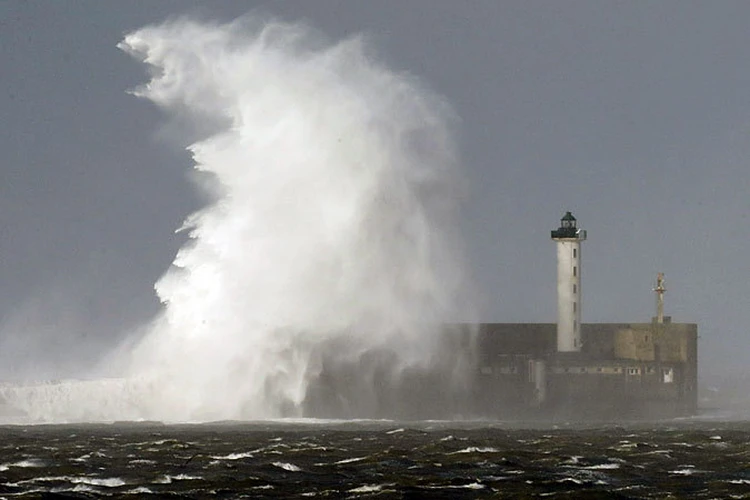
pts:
pixel 550 371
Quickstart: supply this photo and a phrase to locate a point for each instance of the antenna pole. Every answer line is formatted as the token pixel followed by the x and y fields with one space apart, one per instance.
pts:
pixel 660 289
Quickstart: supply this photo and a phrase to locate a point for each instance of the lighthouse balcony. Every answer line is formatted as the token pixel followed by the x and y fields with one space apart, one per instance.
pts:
pixel 565 232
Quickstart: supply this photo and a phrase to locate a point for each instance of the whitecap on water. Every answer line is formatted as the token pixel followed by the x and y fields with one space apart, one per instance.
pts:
pixel 322 493
pixel 665 453
pixel 140 490
pixel 570 480
pixel 41 479
pixel 78 488
pixel 367 488
pixel 349 460
pixel 234 456
pixel 308 447
pixel 186 477
pixel 167 479
pixel 475 449
pixel 682 472
pixel 29 462
pixel 468 486
pixel 109 482
pixel 602 466
pixel 270 449
pixel 683 444
pixel 624 446
pixel 286 466
pixel 685 470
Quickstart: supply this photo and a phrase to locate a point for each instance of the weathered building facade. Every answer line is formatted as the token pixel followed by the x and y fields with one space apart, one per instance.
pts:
pixel 623 371
pixel 602 370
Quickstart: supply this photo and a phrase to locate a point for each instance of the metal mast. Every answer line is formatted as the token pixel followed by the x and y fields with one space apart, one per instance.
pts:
pixel 660 289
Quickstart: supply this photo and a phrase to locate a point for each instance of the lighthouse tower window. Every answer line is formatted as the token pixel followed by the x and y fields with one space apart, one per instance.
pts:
pixel 574 253
pixel 575 269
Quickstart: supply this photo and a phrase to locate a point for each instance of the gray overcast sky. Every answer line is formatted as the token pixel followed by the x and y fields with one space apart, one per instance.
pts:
pixel 634 115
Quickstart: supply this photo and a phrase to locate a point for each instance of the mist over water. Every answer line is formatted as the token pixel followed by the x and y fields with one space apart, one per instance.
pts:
pixel 332 230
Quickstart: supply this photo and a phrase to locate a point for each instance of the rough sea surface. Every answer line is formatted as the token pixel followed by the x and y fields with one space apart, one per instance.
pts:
pixel 375 459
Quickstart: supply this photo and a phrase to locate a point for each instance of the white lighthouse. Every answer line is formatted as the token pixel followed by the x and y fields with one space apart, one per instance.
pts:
pixel 568 238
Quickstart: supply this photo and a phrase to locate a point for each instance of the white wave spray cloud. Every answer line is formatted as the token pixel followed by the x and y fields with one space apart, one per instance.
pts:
pixel 335 190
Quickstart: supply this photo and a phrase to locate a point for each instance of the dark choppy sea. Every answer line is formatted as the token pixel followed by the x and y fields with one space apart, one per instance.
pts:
pixel 375 460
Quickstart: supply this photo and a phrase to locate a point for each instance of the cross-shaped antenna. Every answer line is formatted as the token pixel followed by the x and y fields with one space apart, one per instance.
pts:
pixel 660 289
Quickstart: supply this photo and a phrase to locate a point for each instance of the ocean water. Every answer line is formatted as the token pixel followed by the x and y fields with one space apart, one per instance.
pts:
pixel 375 459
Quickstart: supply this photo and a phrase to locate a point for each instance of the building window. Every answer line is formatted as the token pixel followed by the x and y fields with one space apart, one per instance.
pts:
pixel 574 308
pixel 575 288
pixel 575 270
pixel 575 325
pixel 574 253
